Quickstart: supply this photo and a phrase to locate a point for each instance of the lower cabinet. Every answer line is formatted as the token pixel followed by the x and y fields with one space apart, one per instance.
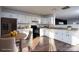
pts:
pixel 70 37
pixel 44 32
pixel 58 35
pixel 67 37
pixel 64 36
pixel 51 34
pixel 75 37
pixel 41 32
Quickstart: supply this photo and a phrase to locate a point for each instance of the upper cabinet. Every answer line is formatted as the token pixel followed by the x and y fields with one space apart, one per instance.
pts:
pixel 9 15
pixel 29 18
pixel 23 18
pixel 52 20
pixel 48 20
pixel 45 20
pixel 35 20
pixel 20 18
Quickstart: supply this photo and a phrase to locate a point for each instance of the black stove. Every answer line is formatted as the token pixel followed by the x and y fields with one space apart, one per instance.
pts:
pixel 36 31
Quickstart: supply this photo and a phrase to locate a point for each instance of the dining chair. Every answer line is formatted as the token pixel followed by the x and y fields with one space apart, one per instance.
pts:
pixel 8 45
pixel 26 43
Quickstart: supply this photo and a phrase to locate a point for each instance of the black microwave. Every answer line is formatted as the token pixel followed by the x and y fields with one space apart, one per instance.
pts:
pixel 60 22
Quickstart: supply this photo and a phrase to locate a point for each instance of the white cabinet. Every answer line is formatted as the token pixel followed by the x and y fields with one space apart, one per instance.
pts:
pixel 67 36
pixel 24 19
pixel 35 20
pixel 41 32
pixel 63 35
pixel 44 32
pixel 48 20
pixel 28 19
pixel 58 35
pixel 70 37
pixel 9 15
pixel 75 37
pixel 45 20
pixel 21 19
pixel 52 20
pixel 51 34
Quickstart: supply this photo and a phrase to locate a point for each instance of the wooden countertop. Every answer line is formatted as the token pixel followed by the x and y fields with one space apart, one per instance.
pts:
pixel 18 36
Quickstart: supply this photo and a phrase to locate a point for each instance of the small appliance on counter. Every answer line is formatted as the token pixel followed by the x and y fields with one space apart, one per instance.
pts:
pixel 69 27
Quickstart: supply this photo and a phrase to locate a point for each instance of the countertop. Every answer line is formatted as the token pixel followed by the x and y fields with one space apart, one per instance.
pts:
pixel 62 27
pixel 59 28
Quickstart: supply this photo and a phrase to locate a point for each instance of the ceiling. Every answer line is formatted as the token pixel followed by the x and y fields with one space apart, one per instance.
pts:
pixel 72 12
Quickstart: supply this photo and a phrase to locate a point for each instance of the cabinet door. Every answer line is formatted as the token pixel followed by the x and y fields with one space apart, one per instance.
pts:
pixel 41 32
pixel 52 20
pixel 28 19
pixel 47 32
pixel 20 19
pixel 44 20
pixel 67 37
pixel 58 35
pixel 75 37
pixel 51 34
pixel 9 15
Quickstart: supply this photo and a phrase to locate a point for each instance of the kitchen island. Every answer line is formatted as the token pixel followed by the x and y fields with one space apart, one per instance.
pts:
pixel 61 34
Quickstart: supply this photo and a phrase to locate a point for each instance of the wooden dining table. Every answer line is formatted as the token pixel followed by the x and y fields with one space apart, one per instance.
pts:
pixel 19 38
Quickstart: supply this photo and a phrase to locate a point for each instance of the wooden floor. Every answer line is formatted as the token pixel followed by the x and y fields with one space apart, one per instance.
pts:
pixel 60 46
pixel 44 47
